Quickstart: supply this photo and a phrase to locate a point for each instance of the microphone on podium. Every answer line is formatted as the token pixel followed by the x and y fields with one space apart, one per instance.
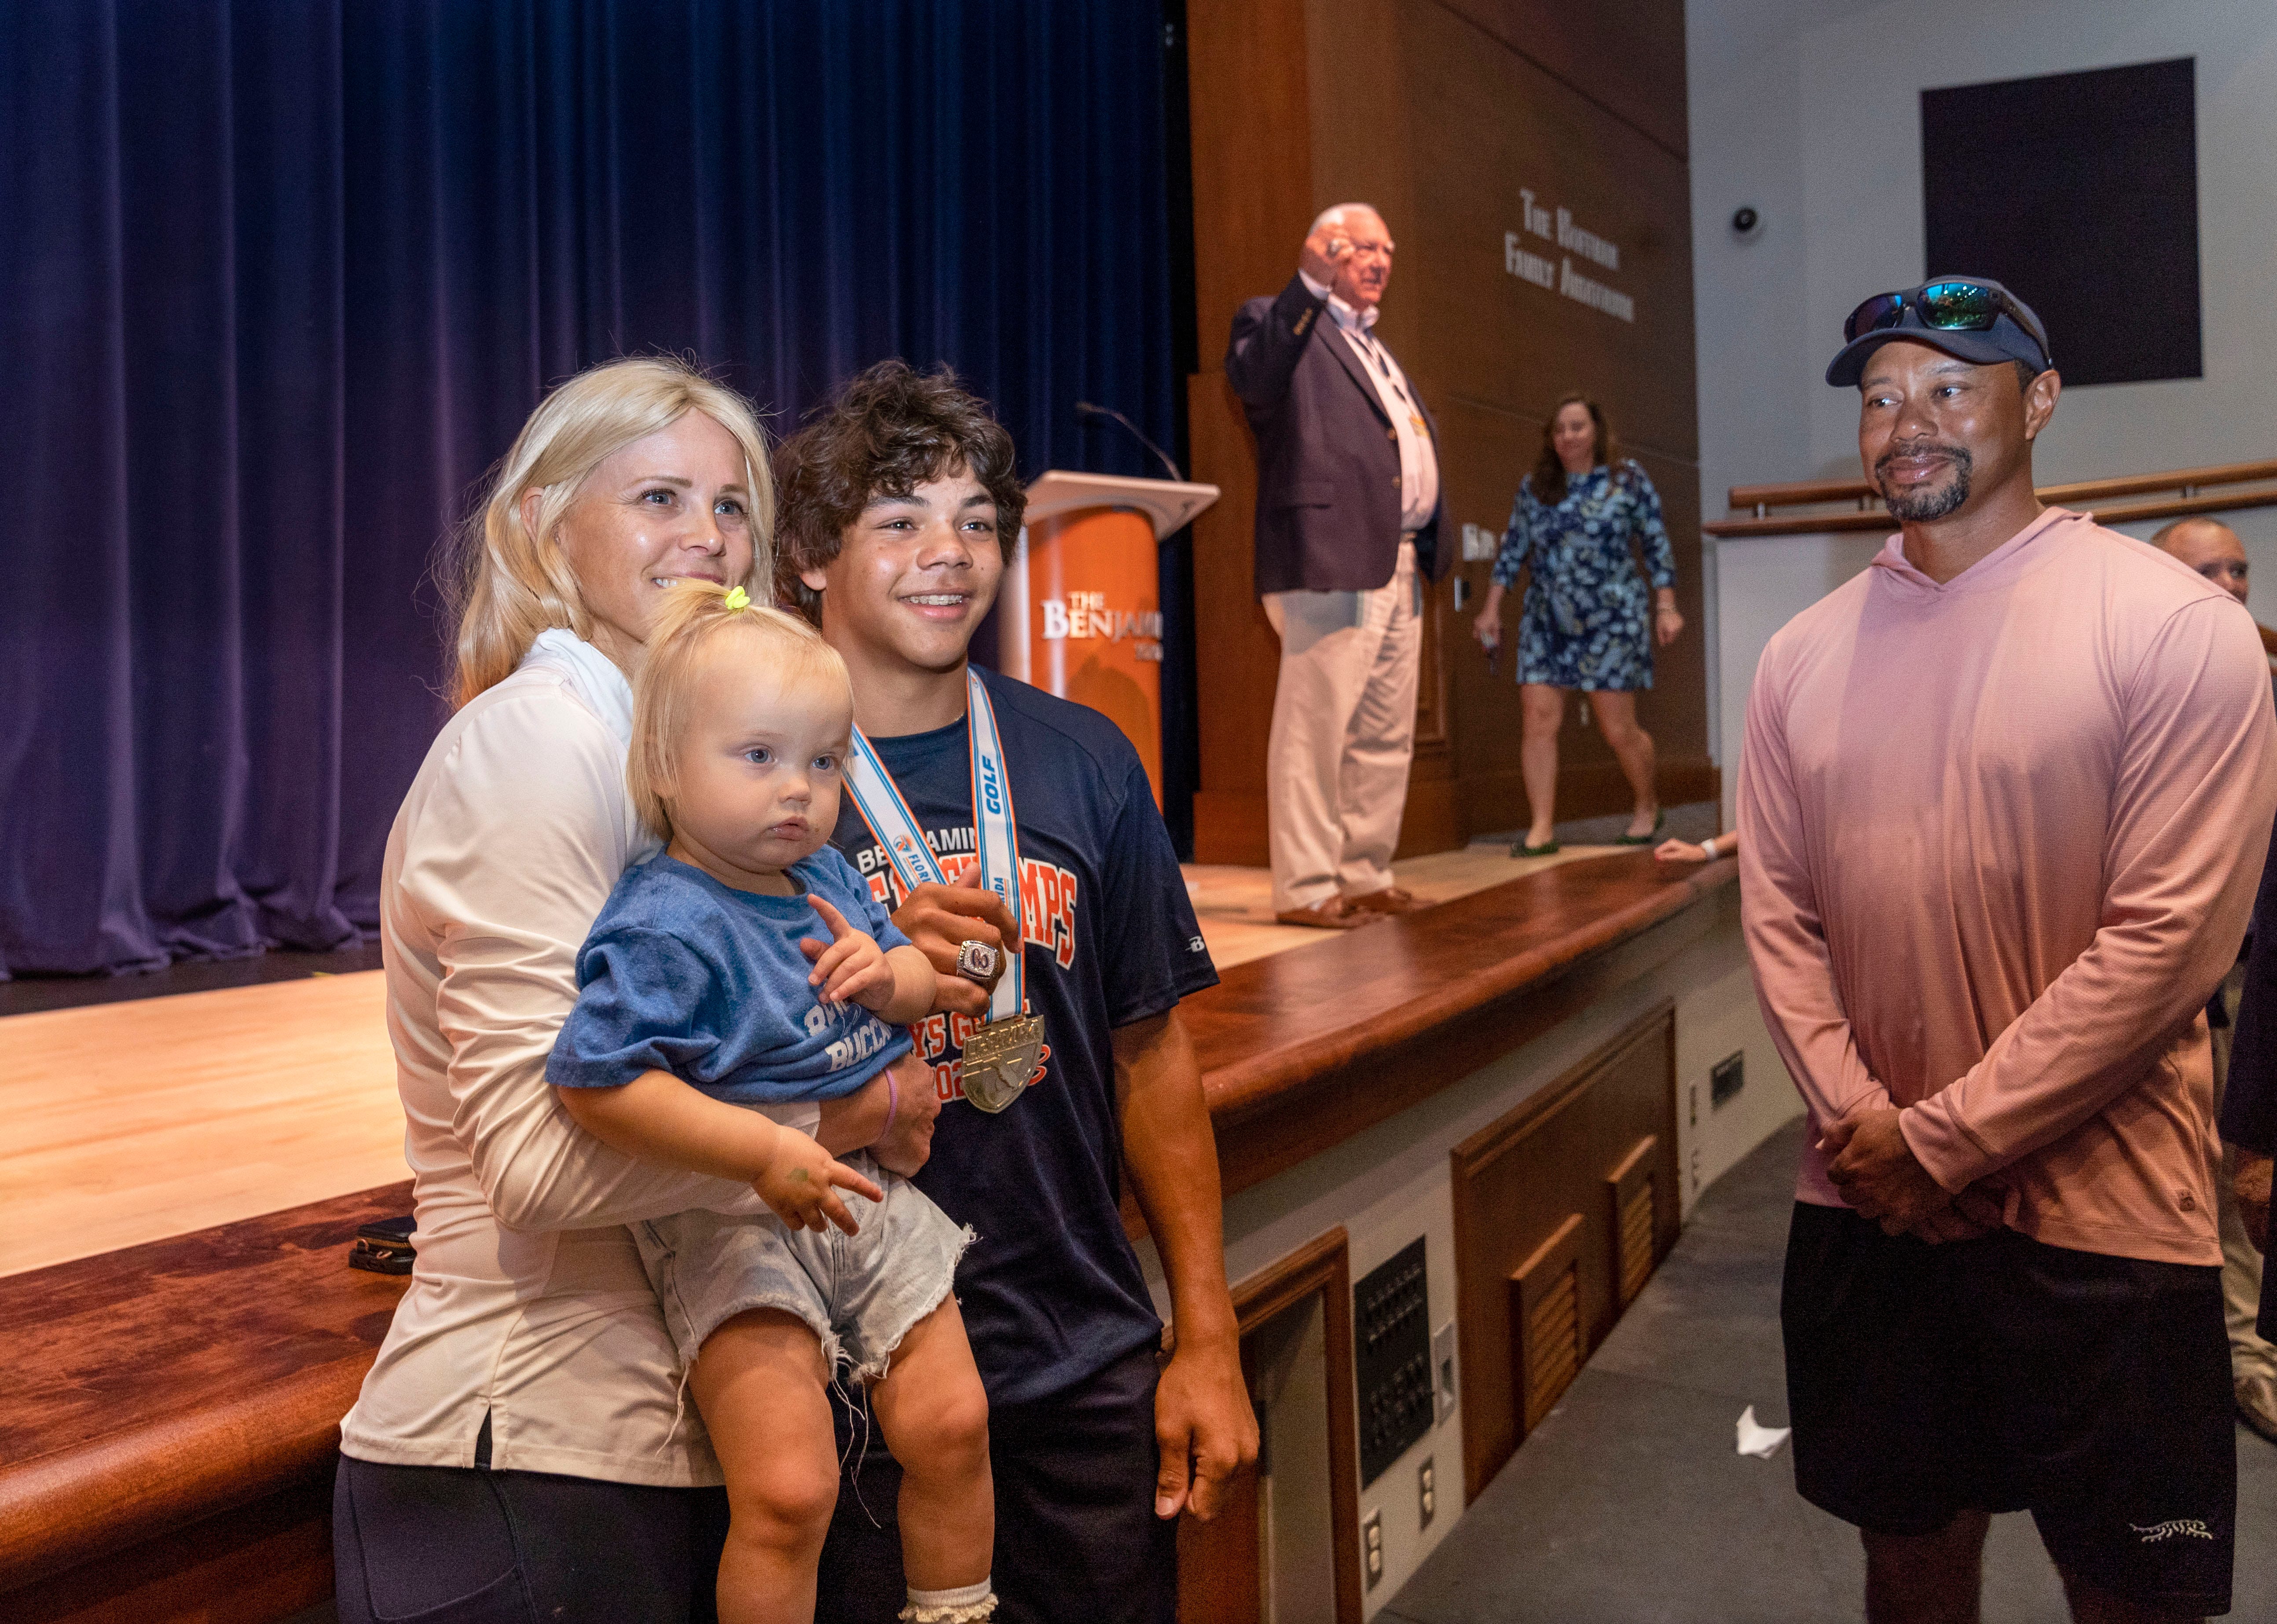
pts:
pixel 1085 408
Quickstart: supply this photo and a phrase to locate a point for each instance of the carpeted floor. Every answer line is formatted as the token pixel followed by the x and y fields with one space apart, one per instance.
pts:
pixel 1630 1505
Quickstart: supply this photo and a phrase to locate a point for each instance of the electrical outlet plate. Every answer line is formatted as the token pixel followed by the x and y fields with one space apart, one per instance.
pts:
pixel 1443 1373
pixel 1427 1494
pixel 1371 1541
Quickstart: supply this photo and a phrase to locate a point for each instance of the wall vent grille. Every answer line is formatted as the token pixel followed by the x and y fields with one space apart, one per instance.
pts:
pixel 1546 1289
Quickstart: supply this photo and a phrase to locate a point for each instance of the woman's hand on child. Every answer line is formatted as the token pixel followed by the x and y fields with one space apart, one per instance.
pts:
pixel 852 969
pixel 801 1181
pixel 907 1143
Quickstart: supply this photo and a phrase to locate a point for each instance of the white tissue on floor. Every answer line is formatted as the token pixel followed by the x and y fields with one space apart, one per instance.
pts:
pixel 1757 1440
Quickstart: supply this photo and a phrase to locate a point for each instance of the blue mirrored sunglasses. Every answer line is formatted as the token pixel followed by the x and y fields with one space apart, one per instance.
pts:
pixel 1950 306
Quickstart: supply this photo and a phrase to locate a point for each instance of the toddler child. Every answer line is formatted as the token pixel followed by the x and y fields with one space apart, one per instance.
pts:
pixel 703 1038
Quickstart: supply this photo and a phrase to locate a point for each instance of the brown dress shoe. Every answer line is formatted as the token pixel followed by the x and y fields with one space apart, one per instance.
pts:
pixel 1391 899
pixel 2256 1404
pixel 1329 913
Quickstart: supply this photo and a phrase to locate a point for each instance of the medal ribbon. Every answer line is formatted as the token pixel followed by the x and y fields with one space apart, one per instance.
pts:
pixel 996 829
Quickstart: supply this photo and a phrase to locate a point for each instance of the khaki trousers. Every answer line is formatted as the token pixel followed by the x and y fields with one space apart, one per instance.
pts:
pixel 2241 1264
pixel 1344 732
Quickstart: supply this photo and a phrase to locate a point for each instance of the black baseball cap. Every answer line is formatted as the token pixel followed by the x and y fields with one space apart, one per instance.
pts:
pixel 1973 318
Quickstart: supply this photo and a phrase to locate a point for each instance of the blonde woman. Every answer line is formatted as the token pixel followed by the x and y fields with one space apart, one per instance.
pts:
pixel 521 1448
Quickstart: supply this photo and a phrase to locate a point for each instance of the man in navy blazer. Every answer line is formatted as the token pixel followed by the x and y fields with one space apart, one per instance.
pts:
pixel 1349 520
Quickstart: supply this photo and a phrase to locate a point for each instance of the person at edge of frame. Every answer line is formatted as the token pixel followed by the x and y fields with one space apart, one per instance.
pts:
pixel 2215 551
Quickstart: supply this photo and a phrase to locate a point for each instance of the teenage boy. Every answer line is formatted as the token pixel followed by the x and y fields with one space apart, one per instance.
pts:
pixel 899 505
pixel 1983 939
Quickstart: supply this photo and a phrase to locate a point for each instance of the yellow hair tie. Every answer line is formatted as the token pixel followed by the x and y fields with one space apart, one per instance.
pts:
pixel 738 598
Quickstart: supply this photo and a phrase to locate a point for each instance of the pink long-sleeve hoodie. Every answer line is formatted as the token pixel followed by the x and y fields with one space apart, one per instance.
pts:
pixel 1999 841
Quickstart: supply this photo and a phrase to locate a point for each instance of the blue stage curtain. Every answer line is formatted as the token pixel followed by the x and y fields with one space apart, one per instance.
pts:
pixel 279 279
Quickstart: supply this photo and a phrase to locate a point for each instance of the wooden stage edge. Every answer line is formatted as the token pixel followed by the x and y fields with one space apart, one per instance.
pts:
pixel 158 1387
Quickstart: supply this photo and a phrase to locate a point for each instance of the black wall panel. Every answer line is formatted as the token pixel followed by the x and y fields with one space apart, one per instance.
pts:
pixel 2080 192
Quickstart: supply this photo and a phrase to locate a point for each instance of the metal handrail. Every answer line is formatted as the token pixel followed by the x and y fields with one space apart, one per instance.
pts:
pixel 2091 496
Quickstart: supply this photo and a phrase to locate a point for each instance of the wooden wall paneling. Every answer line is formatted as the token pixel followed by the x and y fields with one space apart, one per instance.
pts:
pixel 1361 85
pixel 1222 1576
pixel 1238 659
pixel 1488 126
pixel 1440 113
pixel 1322 1268
pixel 1250 106
pixel 1523 1182
pixel 1628 54
pixel 1675 710
pixel 1433 820
pixel 1499 126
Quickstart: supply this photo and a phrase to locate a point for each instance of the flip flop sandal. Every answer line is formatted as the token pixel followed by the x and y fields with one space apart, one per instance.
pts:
pixel 1659 823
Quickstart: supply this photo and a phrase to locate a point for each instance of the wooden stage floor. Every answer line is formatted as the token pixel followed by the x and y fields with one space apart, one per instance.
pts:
pixel 133 1121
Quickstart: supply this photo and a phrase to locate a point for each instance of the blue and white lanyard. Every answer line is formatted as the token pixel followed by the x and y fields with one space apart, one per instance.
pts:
pixel 995 828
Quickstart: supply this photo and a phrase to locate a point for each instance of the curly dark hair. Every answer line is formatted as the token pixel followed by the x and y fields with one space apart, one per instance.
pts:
pixel 890 429
pixel 1548 472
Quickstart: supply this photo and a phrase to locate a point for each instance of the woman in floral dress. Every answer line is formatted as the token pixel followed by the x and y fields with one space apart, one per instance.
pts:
pixel 1587 623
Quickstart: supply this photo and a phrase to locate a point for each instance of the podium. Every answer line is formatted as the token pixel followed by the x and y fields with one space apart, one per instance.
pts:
pixel 1082 614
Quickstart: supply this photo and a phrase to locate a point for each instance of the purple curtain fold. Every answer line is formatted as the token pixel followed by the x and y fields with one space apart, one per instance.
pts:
pixel 280 278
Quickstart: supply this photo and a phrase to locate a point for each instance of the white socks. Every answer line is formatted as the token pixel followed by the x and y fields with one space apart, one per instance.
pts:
pixel 973 1604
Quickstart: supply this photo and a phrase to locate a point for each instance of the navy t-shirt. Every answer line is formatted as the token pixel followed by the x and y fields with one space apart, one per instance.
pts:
pixel 683 974
pixel 1051 1291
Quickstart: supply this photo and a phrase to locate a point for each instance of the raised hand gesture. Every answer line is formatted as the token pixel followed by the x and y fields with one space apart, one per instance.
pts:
pixel 1324 250
pixel 851 968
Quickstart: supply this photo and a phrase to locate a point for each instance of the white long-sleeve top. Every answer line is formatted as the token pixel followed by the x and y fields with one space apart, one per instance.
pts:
pixel 528 1303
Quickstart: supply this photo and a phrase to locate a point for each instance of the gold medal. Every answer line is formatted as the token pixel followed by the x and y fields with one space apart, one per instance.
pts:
pixel 1000 1060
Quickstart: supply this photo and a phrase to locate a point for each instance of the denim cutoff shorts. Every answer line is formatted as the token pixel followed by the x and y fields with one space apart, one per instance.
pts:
pixel 858 1294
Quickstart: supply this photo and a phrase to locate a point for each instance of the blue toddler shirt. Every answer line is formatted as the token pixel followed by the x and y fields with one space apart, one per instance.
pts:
pixel 686 975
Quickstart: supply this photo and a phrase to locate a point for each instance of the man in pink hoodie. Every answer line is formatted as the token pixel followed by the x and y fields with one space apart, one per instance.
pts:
pixel 2003 805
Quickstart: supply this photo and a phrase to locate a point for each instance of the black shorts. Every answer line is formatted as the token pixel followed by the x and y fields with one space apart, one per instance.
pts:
pixel 1077 1541
pixel 2005 1375
pixel 447 1544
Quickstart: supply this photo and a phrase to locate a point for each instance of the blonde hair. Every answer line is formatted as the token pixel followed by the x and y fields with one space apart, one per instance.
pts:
pixel 695 615
pixel 506 584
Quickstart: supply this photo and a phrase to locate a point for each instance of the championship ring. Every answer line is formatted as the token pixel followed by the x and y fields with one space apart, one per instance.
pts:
pixel 978 962
pixel 1000 1058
